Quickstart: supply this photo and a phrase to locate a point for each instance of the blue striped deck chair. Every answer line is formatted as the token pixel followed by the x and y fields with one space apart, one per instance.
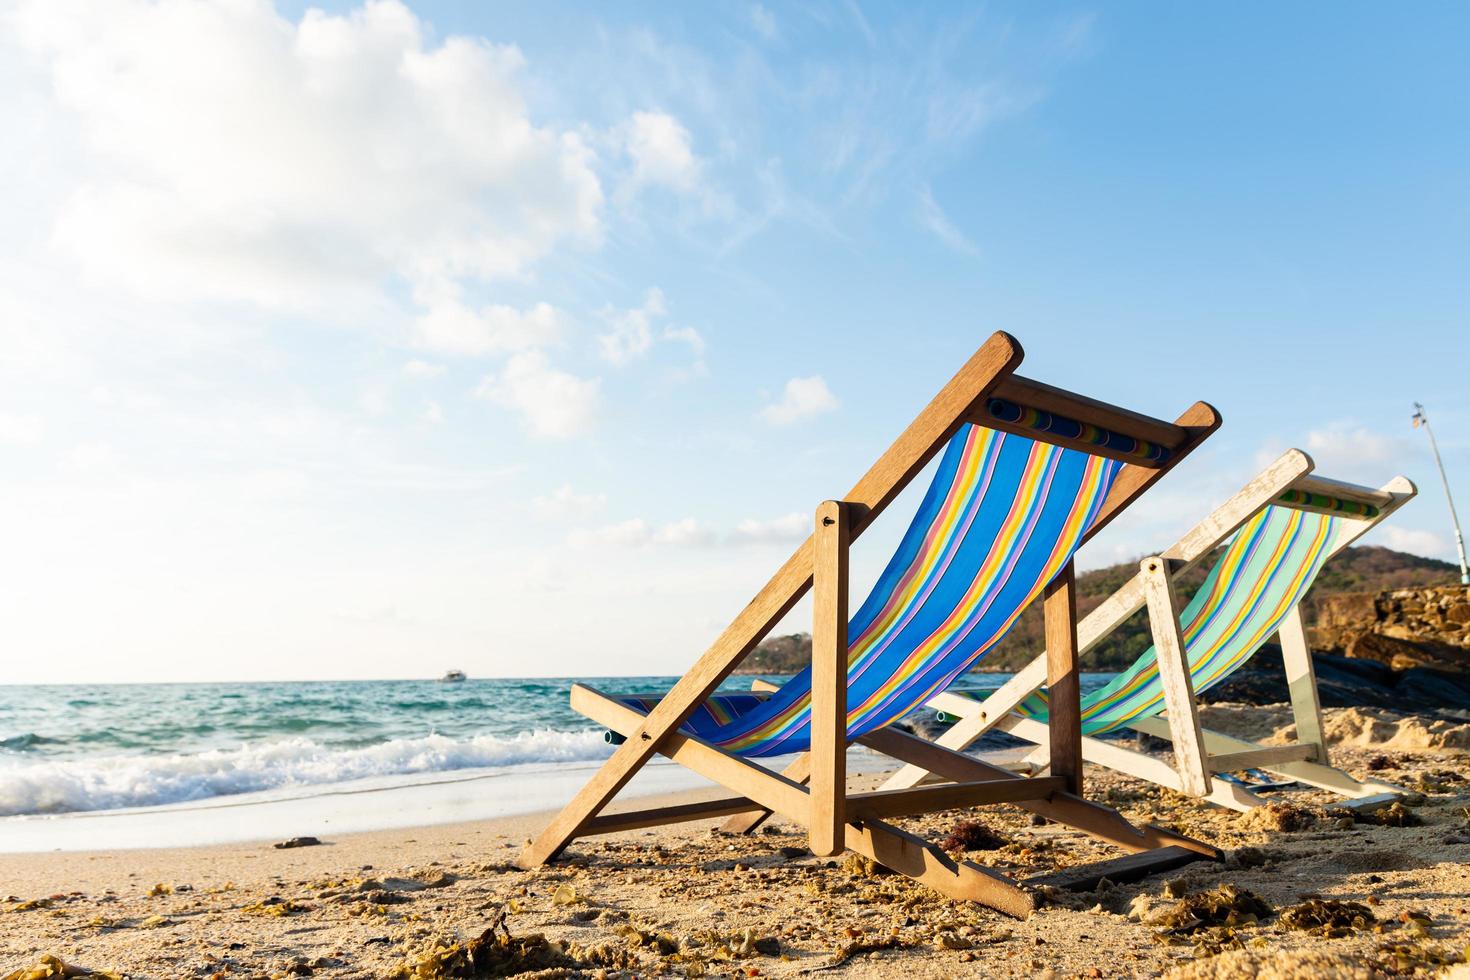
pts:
pixel 1268 542
pixel 1026 474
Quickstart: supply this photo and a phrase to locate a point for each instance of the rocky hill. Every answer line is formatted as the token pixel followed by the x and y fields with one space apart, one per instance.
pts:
pixel 1344 605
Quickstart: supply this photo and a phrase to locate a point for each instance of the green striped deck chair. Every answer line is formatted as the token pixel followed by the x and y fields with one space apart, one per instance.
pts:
pixel 1026 474
pixel 1268 543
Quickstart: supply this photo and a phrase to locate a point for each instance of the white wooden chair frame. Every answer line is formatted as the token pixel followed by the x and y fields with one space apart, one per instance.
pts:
pixel 835 819
pixel 1199 754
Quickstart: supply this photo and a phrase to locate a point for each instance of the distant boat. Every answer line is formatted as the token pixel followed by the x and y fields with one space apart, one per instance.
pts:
pixel 452 677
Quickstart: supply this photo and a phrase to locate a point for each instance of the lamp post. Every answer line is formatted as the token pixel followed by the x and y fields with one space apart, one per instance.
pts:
pixel 1421 419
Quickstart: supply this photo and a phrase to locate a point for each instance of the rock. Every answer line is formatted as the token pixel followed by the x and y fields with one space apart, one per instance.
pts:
pixel 1347 682
pixel 1406 649
pixel 297 842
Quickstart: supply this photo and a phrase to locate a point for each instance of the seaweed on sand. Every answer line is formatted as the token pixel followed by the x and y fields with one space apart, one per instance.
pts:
pixel 53 966
pixel 1329 917
pixel 496 953
pixel 1225 907
pixel 971 835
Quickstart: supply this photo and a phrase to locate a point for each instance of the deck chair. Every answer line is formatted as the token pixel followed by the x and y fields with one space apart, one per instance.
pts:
pixel 1028 473
pixel 1273 537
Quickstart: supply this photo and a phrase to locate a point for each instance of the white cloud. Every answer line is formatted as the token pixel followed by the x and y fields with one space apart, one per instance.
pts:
pixel 1359 454
pixel 632 334
pixel 686 533
pixel 1342 446
pixel 423 370
pixel 20 430
pixel 801 398
pixel 566 502
pixel 788 528
pixel 933 217
pixel 229 153
pixel 451 327
pixel 553 404
pixel 433 413
pixel 661 151
pixel 1414 541
pixel 638 533
pixel 632 533
pixel 686 335
pixel 764 22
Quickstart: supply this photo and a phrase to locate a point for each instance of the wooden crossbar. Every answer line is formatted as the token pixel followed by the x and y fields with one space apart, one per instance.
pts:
pixel 1270 755
pixel 611 823
pixel 1372 496
pixel 1080 408
pixel 950 796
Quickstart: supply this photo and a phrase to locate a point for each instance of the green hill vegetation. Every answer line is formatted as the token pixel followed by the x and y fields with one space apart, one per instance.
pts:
pixel 1362 569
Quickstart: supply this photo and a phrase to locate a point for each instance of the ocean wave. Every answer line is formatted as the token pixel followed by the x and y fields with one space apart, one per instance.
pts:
pixel 24 741
pixel 112 782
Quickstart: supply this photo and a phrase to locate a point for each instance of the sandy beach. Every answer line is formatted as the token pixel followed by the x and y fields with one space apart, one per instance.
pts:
pixel 688 901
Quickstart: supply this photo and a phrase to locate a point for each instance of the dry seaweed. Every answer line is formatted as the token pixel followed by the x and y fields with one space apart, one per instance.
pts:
pixel 1329 917
pixel 53 966
pixel 489 955
pixel 276 906
pixel 971 835
pixel 1408 959
pixel 496 953
pixel 1393 815
pixel 1439 781
pixel 861 866
pixel 32 905
pixel 1281 817
pixel 841 956
pixel 1227 906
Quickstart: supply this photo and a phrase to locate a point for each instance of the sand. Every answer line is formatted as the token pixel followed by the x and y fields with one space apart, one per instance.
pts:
pixel 685 900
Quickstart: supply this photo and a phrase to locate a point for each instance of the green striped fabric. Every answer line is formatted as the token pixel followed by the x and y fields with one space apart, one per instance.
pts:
pixel 1264 572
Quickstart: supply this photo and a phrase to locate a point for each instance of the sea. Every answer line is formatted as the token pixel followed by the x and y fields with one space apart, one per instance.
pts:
pixel 150 748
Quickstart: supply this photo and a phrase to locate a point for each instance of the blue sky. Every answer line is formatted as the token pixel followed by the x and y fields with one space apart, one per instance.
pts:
pixel 523 338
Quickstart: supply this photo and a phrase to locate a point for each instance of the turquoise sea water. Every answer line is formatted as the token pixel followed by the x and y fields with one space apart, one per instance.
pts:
pixel 100 747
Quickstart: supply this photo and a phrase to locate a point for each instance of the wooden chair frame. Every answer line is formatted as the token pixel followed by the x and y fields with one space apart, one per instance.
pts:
pixel 1199 754
pixel 835 819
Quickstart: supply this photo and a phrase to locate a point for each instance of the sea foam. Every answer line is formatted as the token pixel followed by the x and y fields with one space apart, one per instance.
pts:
pixel 28 786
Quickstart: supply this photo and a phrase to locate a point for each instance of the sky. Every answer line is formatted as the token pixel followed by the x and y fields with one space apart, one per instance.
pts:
pixel 524 338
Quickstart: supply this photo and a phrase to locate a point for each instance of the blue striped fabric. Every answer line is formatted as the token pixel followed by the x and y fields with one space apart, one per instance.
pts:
pixel 1002 517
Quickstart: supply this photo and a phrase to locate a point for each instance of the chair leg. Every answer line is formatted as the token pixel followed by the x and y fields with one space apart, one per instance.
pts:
pixel 1301 683
pixel 828 783
pixel 1063 678
pixel 1173 661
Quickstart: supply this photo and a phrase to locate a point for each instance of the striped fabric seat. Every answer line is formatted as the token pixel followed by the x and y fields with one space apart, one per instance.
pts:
pixel 1265 571
pixel 1002 517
